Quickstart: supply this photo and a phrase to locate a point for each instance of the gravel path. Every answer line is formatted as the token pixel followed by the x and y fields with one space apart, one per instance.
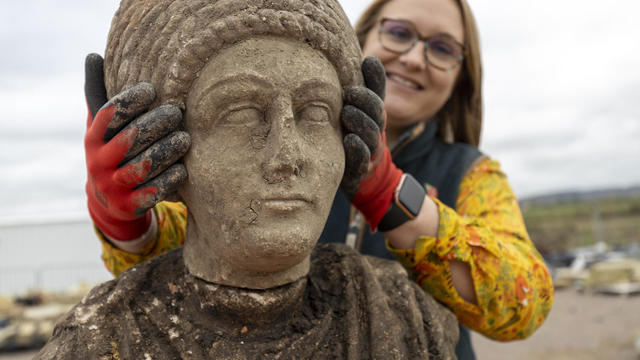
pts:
pixel 580 326
pixel 22 355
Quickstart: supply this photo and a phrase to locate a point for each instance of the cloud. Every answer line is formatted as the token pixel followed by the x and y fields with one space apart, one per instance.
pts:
pixel 52 105
pixel 354 9
pixel 561 80
pixel 41 36
pixel 41 174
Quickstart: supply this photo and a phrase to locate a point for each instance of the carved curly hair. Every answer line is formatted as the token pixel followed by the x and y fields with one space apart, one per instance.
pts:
pixel 168 42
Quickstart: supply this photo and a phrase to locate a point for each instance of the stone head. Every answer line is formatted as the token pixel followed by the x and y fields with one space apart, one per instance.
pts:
pixel 260 84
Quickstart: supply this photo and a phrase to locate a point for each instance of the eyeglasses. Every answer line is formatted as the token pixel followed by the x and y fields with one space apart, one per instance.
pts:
pixel 400 36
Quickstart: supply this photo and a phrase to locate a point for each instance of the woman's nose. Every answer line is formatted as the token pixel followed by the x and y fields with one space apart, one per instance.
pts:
pixel 284 158
pixel 414 59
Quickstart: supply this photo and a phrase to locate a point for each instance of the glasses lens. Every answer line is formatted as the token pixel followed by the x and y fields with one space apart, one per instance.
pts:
pixel 443 52
pixel 396 36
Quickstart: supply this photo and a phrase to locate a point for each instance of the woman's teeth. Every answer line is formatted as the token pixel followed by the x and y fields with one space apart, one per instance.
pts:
pixel 403 81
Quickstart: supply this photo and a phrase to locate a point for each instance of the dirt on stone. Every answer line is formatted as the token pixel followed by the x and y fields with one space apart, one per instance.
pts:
pixel 349 307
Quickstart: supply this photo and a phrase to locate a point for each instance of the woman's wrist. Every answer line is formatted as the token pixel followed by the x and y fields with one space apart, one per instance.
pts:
pixel 424 224
pixel 136 246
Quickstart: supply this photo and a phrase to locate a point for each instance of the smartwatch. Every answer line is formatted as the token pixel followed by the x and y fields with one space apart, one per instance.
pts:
pixel 407 201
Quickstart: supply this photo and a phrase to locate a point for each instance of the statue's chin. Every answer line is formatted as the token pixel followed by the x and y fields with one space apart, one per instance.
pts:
pixel 249 259
pixel 273 250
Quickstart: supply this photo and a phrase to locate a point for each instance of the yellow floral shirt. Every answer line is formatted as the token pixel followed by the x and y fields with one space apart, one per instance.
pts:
pixel 512 283
pixel 513 286
pixel 172 228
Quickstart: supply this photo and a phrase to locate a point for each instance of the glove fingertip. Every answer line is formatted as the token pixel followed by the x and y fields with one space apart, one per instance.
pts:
pixel 357 155
pixel 356 161
pixel 167 183
pixel 374 75
pixel 93 61
pixel 94 89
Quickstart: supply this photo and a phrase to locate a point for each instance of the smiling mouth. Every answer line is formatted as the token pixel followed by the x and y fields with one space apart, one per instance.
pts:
pixel 407 83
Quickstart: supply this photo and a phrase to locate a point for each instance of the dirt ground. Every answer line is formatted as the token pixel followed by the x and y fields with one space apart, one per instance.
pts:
pixel 580 326
pixel 22 355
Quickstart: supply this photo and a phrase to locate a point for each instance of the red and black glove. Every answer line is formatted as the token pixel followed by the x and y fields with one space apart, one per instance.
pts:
pixel 370 177
pixel 131 154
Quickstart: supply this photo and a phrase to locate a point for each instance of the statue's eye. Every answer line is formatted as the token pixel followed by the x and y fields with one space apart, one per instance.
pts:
pixel 244 115
pixel 315 113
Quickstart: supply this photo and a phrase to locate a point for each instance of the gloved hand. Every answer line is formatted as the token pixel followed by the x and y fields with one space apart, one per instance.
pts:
pixel 370 176
pixel 131 154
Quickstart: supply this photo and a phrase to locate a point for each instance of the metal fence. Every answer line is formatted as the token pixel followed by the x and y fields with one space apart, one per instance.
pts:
pixel 49 255
pixel 20 280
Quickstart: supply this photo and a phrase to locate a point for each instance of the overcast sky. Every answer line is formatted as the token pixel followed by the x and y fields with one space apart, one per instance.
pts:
pixel 561 96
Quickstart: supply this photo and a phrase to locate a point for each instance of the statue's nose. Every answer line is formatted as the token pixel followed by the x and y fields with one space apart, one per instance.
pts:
pixel 284 156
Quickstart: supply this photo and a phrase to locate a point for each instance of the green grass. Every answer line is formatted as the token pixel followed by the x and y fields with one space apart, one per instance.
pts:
pixel 564 225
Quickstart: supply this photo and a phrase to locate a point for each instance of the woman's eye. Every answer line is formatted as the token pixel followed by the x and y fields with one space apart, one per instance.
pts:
pixel 315 114
pixel 401 33
pixel 242 116
pixel 442 47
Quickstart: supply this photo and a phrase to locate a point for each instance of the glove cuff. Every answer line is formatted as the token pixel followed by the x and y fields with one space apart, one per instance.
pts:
pixel 375 193
pixel 122 230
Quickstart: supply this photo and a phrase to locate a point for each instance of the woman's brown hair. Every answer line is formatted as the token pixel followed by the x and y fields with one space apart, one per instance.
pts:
pixel 460 119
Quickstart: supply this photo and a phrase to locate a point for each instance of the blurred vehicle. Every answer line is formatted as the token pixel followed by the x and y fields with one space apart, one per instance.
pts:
pixel 27 322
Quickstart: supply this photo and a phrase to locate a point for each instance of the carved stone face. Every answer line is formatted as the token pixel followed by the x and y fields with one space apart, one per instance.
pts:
pixel 265 162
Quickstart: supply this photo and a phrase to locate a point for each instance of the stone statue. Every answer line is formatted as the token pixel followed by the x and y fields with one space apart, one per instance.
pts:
pixel 261 84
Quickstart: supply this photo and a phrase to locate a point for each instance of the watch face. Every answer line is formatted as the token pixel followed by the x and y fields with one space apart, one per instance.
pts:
pixel 407 204
pixel 411 195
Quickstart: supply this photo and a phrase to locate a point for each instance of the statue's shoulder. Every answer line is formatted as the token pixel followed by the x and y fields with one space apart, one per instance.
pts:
pixel 379 292
pixel 109 311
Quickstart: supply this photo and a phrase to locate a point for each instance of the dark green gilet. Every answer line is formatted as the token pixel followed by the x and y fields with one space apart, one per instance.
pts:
pixel 432 162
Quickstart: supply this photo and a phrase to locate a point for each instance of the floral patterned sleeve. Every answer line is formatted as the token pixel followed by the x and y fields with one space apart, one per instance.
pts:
pixel 512 283
pixel 172 225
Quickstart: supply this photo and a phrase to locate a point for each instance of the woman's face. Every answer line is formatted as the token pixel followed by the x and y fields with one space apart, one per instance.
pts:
pixel 266 156
pixel 415 90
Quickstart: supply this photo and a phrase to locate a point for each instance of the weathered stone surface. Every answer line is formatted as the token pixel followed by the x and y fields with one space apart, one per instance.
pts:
pixel 168 42
pixel 265 162
pixel 348 307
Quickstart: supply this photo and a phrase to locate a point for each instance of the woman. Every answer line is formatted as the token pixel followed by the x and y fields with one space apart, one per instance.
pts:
pixel 465 242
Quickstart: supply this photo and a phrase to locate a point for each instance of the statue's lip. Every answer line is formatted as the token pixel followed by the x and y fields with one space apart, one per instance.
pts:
pixel 285 203
pixel 286 197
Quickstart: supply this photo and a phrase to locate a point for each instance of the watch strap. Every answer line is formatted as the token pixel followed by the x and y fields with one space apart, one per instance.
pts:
pixel 406 204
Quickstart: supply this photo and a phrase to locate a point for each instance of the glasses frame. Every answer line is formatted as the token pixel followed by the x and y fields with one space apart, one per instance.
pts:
pixel 423 39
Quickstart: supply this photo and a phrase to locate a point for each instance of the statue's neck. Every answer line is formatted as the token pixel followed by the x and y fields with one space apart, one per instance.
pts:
pixel 238 307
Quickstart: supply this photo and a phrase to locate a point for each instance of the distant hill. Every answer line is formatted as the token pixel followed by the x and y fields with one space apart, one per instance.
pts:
pixel 566 220
pixel 578 196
